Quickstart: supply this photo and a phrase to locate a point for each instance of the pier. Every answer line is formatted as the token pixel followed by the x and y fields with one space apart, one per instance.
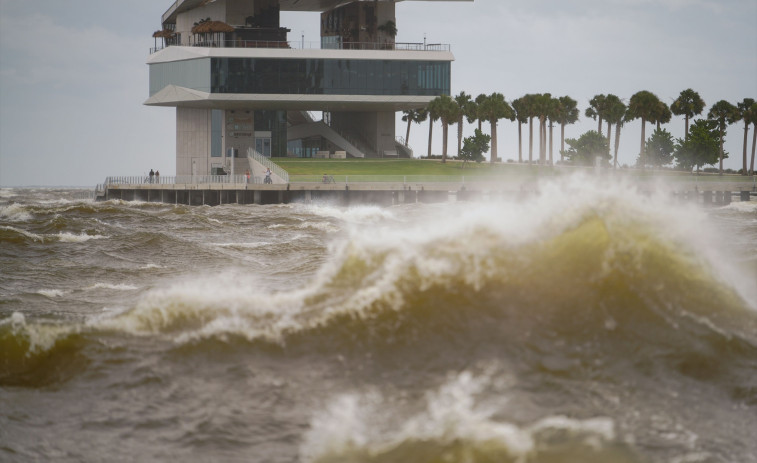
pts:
pixel 394 190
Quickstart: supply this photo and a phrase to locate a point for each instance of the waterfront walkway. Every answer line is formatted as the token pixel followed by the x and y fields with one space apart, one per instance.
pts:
pixel 399 189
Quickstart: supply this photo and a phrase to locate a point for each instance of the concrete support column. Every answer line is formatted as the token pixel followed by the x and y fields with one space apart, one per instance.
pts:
pixel 707 197
pixel 744 196
pixel 257 197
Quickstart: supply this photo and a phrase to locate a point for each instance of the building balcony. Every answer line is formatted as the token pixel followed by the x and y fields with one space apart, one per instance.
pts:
pixel 301 45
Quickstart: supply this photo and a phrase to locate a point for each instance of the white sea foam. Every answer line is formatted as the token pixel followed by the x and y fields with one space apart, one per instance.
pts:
pixel 742 206
pixel 437 250
pixel 15 213
pixel 150 267
pixel 118 287
pixel 52 293
pixel 250 245
pixel 31 236
pixel 375 424
pixel 66 237
pixel 322 226
pixel 40 336
pixel 353 214
pixel 7 193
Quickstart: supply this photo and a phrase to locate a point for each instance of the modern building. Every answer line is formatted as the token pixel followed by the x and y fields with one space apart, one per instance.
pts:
pixel 238 83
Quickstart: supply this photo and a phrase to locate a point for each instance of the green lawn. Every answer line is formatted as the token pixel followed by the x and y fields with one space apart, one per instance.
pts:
pixel 344 169
pixel 299 166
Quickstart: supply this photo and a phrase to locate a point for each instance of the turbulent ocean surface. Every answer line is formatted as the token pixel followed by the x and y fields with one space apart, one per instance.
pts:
pixel 586 323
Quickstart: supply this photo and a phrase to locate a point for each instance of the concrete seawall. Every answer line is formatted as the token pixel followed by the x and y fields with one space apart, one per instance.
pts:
pixel 714 193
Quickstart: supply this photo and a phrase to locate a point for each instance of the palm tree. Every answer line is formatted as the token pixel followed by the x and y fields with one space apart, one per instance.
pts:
pixel 596 109
pixel 566 113
pixel 643 105
pixel 542 106
pixel 744 110
pixel 519 106
pixel 463 101
pixel 529 111
pixel 447 110
pixel 432 117
pixel 662 114
pixel 494 108
pixel 724 113
pixel 688 104
pixel 753 117
pixel 413 115
pixel 615 114
pixel 611 102
pixel 474 108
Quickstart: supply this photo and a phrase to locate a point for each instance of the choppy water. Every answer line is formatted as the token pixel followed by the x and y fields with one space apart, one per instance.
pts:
pixel 584 324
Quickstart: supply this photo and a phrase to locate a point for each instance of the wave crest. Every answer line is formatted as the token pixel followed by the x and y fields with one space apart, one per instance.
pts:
pixel 453 426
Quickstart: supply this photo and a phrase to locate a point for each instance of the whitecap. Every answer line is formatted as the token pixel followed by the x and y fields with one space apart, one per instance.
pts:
pixel 119 287
pixel 322 226
pixel 15 213
pixel 31 236
pixel 66 237
pixel 52 293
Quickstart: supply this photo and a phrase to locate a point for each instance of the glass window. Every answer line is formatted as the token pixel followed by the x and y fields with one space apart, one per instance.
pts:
pixel 329 76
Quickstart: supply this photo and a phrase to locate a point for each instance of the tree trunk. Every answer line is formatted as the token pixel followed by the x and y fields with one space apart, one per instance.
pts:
pixel 562 142
pixel 530 140
pixel 541 141
pixel 599 125
pixel 754 140
pixel 722 129
pixel 520 143
pixel 493 157
pixel 642 157
pixel 407 136
pixel 658 125
pixel 551 159
pixel 430 132
pixel 479 124
pixel 746 141
pixel 445 131
pixel 609 132
pixel 686 135
pixel 617 142
pixel 459 135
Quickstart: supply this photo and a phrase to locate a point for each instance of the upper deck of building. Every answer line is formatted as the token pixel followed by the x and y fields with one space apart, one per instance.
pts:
pixel 180 6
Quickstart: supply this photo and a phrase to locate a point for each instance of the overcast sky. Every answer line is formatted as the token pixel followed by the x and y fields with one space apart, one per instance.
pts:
pixel 73 75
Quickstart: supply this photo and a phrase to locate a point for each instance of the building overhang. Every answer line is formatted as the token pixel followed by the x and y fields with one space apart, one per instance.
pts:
pixel 180 6
pixel 175 96
pixel 177 53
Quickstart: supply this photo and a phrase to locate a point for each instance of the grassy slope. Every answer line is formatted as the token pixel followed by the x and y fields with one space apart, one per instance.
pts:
pixel 297 166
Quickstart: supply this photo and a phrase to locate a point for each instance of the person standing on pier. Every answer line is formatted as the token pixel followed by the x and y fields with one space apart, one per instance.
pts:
pixel 152 175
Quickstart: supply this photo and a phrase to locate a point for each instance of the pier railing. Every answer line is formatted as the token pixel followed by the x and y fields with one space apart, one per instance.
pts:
pixel 181 180
pixel 506 176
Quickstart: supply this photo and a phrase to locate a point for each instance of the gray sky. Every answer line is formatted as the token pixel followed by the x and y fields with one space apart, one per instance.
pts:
pixel 73 75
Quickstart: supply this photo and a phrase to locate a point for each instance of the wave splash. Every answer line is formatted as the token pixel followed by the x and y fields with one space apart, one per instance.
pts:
pixel 456 424
pixel 592 265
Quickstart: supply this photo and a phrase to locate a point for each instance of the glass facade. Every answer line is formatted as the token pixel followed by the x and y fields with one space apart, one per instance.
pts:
pixel 276 123
pixel 216 133
pixel 193 73
pixel 329 76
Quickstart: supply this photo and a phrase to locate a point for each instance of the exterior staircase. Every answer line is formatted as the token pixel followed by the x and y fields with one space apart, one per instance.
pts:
pixel 320 128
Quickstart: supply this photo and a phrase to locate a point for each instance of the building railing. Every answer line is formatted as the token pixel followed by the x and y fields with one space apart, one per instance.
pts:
pixel 298 45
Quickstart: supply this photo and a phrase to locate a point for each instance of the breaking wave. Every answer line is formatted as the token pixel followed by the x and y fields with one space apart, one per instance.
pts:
pixel 454 425
pixel 601 270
